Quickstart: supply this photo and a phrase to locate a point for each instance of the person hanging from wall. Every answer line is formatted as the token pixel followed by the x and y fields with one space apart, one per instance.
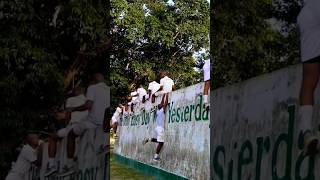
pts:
pixel 125 109
pixel 159 129
pixel 141 93
pixel 96 104
pixel 206 74
pixel 153 87
pixel 31 153
pixel 77 98
pixel 166 84
pixel 133 100
pixel 309 26
pixel 116 118
pixel 149 98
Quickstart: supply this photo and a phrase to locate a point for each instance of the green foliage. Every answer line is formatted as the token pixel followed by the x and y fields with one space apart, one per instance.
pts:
pixel 252 37
pixel 35 55
pixel 153 35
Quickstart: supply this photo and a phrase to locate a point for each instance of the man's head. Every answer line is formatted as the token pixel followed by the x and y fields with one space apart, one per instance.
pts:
pixel 97 78
pixel 32 139
pixel 138 85
pixel 78 91
pixel 163 73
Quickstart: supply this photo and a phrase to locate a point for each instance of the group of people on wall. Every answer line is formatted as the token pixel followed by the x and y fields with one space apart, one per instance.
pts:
pixel 145 99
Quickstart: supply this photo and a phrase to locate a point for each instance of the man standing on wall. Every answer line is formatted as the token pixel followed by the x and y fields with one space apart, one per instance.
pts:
pixel 159 130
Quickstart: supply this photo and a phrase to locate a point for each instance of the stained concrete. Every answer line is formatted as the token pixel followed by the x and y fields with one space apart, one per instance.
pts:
pixel 254 129
pixel 186 147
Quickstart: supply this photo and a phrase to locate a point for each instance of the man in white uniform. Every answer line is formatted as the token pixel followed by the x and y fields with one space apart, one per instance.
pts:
pixel 28 156
pixel 133 100
pixel 206 74
pixel 159 130
pixel 309 27
pixel 96 104
pixel 166 84
pixel 76 100
pixel 115 119
pixel 152 89
pixel 141 93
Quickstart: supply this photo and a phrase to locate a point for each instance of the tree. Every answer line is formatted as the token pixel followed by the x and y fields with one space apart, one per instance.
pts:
pixel 156 35
pixel 42 42
pixel 252 37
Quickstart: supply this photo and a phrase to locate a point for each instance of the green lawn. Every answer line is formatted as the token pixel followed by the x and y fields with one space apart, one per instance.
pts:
pixel 123 172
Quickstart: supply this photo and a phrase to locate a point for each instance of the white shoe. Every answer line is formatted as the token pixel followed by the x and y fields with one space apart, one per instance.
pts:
pixel 311 144
pixel 207 106
pixel 50 170
pixel 156 158
pixel 145 141
pixel 68 170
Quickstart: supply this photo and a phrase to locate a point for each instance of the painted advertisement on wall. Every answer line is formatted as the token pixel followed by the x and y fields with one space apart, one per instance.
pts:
pixel 186 146
pixel 254 130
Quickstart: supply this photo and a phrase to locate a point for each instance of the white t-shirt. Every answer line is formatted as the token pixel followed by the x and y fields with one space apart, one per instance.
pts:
pixel 134 93
pixel 27 156
pixel 117 113
pixel 76 101
pixel 124 111
pixel 154 87
pixel 141 92
pixel 99 94
pixel 160 118
pixel 134 96
pixel 309 26
pixel 206 70
pixel 167 84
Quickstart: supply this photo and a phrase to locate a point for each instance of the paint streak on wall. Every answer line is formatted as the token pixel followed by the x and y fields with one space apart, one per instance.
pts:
pixel 254 130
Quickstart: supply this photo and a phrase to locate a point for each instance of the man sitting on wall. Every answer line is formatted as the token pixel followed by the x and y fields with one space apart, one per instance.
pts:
pixel 159 130
pixel 96 104
pixel 75 100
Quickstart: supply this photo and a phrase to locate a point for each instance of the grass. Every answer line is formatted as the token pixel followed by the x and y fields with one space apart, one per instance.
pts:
pixel 123 172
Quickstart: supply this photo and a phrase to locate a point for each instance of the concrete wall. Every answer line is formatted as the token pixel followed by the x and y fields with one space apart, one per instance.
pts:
pixel 91 163
pixel 186 147
pixel 254 133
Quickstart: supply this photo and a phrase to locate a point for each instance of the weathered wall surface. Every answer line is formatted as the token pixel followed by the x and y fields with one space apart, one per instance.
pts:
pixel 187 133
pixel 254 133
pixel 91 159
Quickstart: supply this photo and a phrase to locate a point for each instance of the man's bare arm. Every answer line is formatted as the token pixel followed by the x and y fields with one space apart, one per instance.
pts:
pixel 39 155
pixel 174 88
pixel 165 99
pixel 86 106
